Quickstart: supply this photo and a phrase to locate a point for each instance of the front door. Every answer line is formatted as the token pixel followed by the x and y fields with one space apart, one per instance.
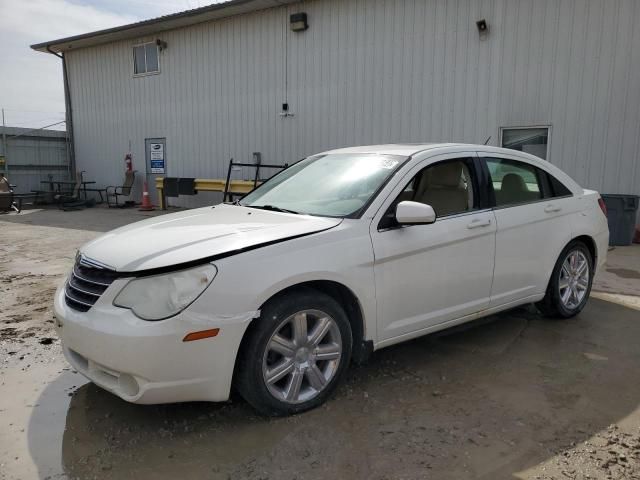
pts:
pixel 156 164
pixel 426 275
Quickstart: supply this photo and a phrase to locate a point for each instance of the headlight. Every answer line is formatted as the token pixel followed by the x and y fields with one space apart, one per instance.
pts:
pixel 162 296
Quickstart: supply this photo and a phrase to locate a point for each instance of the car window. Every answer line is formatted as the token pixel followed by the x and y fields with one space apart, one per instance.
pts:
pixel 446 186
pixel 335 184
pixel 557 188
pixel 514 182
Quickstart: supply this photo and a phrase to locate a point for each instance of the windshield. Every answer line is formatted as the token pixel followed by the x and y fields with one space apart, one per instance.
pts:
pixel 335 185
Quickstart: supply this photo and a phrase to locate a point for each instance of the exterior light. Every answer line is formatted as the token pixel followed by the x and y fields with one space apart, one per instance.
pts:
pixel 483 28
pixel 298 22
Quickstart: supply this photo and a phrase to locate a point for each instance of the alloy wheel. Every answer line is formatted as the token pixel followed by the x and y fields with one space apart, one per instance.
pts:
pixel 574 279
pixel 302 356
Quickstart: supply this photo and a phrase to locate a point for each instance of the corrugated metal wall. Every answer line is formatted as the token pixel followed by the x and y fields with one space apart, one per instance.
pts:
pixel 34 156
pixel 373 71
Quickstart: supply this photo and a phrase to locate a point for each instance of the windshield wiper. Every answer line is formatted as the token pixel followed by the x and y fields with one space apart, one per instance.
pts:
pixel 272 208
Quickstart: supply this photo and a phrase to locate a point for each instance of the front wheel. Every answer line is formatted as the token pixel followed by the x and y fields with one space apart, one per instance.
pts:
pixel 570 283
pixel 294 357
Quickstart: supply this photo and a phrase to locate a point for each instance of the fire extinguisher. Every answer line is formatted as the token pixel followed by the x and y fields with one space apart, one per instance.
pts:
pixel 128 162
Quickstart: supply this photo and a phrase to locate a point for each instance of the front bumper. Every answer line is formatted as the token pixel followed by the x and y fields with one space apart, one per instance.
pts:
pixel 147 362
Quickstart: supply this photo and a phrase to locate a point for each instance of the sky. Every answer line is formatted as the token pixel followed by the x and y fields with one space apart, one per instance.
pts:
pixel 31 87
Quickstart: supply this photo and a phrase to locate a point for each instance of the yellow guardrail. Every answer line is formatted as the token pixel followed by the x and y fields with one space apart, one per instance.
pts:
pixel 208 185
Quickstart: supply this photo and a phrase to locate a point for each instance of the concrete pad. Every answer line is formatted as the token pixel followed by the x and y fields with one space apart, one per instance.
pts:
pixel 622 272
pixel 96 219
pixel 513 396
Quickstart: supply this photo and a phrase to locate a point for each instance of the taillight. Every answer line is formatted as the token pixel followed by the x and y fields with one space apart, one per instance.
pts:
pixel 603 206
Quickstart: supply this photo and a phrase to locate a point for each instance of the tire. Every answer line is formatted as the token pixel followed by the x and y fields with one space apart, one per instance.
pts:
pixel 279 371
pixel 555 303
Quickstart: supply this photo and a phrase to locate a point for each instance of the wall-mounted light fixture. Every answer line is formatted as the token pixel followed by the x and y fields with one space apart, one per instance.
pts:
pixel 298 22
pixel 285 111
pixel 162 45
pixel 483 28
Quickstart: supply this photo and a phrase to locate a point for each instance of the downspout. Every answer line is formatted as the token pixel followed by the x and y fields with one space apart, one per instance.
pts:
pixel 68 115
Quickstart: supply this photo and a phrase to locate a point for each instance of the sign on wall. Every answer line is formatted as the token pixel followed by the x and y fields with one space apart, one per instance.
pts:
pixel 156 151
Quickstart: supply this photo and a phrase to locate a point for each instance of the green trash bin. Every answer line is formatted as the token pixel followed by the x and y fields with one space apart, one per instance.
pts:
pixel 621 216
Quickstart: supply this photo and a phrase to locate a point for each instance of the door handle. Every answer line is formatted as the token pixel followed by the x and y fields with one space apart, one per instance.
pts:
pixel 479 223
pixel 552 209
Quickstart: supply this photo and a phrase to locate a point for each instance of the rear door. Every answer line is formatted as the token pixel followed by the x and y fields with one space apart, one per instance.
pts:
pixel 429 274
pixel 532 227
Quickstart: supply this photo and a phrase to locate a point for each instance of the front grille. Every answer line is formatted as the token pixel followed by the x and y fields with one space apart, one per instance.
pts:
pixel 86 284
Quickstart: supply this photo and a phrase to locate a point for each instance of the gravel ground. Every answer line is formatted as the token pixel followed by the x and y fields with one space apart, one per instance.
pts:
pixel 514 396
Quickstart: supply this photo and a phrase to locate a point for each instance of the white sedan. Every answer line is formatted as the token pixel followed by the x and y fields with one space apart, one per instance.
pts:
pixel 341 254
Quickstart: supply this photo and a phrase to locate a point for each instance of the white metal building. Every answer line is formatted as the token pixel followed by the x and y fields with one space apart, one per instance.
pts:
pixel 560 79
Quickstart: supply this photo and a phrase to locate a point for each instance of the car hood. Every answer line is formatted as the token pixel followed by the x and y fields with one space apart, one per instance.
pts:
pixel 197 234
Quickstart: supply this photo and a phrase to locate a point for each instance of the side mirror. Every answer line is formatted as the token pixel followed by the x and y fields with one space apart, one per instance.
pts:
pixel 414 213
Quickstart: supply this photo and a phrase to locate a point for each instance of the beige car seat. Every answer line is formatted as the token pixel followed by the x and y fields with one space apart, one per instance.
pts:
pixel 513 190
pixel 443 188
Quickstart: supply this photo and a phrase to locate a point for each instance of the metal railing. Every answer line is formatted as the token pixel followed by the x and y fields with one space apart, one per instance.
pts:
pixel 237 187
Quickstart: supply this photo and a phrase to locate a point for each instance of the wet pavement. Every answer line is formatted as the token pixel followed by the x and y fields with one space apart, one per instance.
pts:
pixel 513 396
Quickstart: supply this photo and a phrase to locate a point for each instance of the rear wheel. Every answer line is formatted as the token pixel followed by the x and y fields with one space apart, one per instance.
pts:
pixel 570 283
pixel 294 357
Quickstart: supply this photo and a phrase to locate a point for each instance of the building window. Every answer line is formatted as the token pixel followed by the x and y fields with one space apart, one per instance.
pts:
pixel 145 59
pixel 533 140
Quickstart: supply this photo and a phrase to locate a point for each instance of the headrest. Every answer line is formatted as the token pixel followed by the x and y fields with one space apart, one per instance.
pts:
pixel 446 174
pixel 512 182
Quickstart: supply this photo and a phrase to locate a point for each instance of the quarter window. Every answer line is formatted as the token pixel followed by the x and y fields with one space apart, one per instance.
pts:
pixel 145 59
pixel 558 189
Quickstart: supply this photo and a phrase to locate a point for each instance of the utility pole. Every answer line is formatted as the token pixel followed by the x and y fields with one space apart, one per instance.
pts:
pixel 4 147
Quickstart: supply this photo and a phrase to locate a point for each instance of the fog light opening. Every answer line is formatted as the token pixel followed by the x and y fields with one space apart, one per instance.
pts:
pixel 128 385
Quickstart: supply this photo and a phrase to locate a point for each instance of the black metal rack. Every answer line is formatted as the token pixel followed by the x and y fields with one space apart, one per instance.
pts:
pixel 257 156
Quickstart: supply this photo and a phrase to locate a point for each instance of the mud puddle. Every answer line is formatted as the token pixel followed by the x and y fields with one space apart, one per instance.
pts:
pixel 517 396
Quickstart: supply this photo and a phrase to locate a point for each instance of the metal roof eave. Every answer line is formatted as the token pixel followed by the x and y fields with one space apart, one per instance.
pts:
pixel 155 25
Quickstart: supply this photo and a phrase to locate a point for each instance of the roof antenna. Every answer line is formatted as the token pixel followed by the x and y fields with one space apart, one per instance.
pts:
pixel 487 140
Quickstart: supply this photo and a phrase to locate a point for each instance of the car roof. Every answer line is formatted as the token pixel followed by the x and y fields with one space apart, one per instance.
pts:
pixel 412 149
pixel 409 149
pixel 404 149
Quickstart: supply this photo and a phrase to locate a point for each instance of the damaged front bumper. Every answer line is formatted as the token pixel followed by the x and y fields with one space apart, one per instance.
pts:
pixel 148 362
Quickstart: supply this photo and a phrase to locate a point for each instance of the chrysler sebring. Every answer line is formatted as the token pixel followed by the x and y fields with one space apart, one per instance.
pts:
pixel 341 254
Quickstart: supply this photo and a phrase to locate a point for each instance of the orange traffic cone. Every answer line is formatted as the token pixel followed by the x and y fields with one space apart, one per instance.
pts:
pixel 146 201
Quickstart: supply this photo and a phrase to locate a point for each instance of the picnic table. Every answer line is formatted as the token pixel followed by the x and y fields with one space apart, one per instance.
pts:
pixel 72 184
